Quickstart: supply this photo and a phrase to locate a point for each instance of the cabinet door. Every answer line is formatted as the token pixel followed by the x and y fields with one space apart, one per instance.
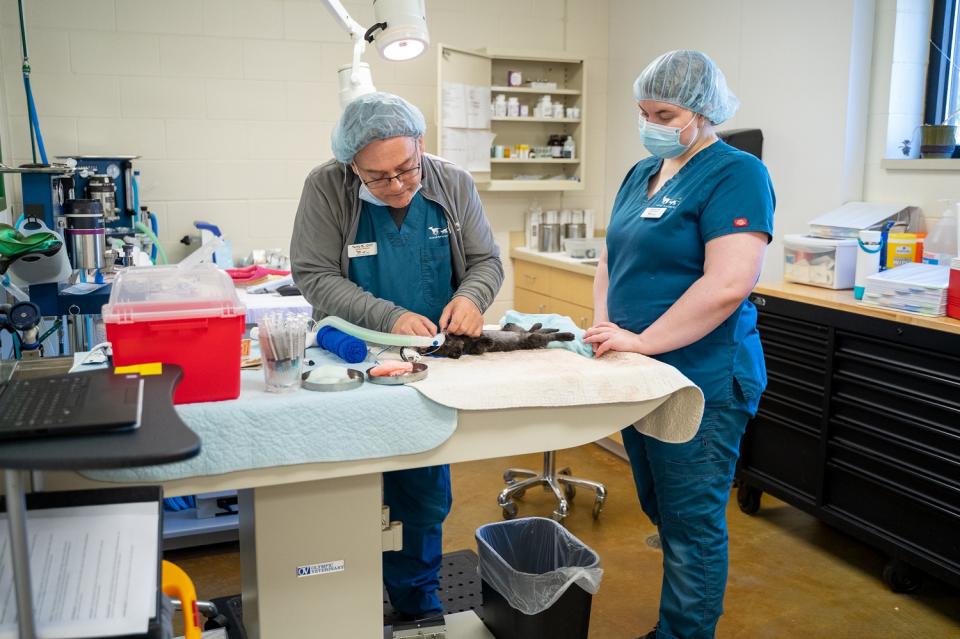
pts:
pixel 459 71
pixel 581 315
pixel 572 287
pixel 530 302
pixel 533 277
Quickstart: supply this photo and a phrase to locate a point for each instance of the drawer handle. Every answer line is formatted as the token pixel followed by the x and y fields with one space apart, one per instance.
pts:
pixel 541 308
pixel 530 277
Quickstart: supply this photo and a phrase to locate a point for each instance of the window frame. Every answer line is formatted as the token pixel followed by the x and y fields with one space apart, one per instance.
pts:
pixel 942 34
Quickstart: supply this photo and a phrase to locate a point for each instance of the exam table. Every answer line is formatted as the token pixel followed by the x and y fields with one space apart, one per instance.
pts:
pixel 311 534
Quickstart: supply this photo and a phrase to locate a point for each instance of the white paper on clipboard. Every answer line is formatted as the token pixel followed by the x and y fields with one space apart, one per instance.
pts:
pixel 93 570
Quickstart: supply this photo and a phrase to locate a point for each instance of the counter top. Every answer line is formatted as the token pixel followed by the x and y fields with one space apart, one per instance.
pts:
pixel 844 301
pixel 555 260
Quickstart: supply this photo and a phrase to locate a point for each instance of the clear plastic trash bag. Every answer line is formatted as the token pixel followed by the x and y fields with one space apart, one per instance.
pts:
pixel 532 561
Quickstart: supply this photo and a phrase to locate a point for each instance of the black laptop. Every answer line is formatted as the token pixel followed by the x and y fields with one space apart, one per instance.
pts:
pixel 91 402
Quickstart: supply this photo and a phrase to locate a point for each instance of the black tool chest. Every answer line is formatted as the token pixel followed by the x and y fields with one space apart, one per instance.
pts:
pixel 860 426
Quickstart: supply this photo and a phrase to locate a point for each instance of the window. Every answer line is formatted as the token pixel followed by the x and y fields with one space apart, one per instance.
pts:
pixel 943 72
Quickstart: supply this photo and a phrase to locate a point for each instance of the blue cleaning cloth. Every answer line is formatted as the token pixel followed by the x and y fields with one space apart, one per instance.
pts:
pixel 552 320
pixel 346 347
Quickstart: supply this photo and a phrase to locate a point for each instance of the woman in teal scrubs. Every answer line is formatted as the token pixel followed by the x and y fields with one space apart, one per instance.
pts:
pixel 685 244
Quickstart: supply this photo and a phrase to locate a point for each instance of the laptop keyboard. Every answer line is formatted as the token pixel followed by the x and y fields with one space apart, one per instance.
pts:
pixel 43 402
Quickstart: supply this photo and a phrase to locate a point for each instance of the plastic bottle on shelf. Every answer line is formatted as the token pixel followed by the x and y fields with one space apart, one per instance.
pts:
pixel 500 106
pixel 534 219
pixel 569 148
pixel 941 243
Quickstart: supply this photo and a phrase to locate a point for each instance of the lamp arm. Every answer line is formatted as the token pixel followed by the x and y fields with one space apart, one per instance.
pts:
pixel 356 31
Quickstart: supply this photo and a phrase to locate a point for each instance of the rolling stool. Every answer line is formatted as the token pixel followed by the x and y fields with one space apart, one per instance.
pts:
pixel 561 482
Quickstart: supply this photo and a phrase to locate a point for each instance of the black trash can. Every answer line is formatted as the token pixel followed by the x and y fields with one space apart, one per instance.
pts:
pixel 538 580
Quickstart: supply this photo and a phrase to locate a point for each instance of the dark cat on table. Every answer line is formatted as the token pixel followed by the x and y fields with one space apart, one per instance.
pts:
pixel 509 338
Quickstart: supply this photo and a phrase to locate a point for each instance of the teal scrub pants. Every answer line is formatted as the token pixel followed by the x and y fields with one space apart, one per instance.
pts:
pixel 421 499
pixel 684 489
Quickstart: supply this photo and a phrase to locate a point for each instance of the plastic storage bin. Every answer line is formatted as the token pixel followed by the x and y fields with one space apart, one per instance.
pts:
pixel 820 262
pixel 584 248
pixel 188 317
pixel 538 580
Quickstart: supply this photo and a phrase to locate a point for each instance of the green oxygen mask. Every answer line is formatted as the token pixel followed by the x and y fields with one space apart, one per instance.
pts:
pixel 14 245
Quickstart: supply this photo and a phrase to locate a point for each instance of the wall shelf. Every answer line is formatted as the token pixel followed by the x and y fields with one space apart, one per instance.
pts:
pixel 483 70
pixel 532 119
pixel 533 161
pixel 530 185
pixel 501 89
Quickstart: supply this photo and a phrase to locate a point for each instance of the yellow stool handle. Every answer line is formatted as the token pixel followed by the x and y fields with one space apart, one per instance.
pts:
pixel 177 583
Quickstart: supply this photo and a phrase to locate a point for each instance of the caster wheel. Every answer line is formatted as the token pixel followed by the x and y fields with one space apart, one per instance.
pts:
pixel 901 578
pixel 748 498
pixel 569 490
pixel 520 493
pixel 510 511
pixel 598 506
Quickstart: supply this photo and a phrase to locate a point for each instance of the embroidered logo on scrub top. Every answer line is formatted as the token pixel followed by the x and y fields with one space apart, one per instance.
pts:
pixel 740 222
pixel 437 233
pixel 666 201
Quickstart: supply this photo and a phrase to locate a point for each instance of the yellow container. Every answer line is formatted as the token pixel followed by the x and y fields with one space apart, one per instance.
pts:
pixel 903 248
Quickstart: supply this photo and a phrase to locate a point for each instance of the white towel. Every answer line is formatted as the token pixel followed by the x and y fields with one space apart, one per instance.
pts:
pixel 551 377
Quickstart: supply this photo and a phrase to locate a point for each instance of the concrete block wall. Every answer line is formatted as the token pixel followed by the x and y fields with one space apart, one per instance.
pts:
pixel 230 103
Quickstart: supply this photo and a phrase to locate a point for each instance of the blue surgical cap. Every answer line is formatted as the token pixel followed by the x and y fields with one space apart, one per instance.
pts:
pixel 688 79
pixel 371 117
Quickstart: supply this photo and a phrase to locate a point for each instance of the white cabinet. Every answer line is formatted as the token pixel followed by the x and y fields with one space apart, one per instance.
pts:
pixel 563 80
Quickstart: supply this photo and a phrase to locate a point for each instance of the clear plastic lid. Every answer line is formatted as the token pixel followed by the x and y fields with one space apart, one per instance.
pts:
pixel 156 293
pixel 805 242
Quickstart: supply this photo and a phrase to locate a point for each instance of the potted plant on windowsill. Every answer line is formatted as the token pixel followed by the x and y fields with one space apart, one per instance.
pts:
pixel 939 140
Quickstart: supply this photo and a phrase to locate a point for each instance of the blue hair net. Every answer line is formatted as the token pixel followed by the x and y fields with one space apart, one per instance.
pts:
pixel 371 117
pixel 688 79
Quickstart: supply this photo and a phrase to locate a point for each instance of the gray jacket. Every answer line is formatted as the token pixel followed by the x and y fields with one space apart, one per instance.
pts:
pixel 326 224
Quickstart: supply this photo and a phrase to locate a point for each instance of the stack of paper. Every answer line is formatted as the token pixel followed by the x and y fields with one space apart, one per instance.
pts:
pixel 916 288
pixel 93 569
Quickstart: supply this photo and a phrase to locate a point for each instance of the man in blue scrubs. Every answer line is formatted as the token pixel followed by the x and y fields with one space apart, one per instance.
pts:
pixel 394 239
pixel 685 245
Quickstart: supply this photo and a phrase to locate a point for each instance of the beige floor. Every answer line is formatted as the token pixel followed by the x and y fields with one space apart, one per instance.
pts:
pixel 791 577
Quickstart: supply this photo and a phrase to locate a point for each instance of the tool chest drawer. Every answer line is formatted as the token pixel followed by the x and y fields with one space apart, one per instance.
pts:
pixel 860 426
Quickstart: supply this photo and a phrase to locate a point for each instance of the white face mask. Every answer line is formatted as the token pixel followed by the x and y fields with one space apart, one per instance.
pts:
pixel 367 196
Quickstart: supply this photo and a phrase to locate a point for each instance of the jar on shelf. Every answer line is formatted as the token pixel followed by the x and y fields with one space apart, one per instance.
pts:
pixel 556 146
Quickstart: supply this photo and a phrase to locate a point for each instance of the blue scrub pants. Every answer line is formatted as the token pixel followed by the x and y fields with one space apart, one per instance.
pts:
pixel 421 499
pixel 684 489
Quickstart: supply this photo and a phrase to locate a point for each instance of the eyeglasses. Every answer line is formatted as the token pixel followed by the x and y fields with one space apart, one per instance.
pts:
pixel 384 183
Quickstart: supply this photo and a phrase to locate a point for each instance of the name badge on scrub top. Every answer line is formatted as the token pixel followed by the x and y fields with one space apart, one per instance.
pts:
pixel 362 250
pixel 653 213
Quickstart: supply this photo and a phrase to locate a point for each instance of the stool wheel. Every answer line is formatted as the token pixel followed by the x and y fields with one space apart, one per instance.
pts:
pixel 510 511
pixel 598 506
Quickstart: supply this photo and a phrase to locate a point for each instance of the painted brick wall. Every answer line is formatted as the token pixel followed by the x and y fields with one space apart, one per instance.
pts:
pixel 231 102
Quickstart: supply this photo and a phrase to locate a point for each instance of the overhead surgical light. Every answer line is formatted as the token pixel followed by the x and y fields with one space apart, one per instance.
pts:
pixel 400 33
pixel 403 29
